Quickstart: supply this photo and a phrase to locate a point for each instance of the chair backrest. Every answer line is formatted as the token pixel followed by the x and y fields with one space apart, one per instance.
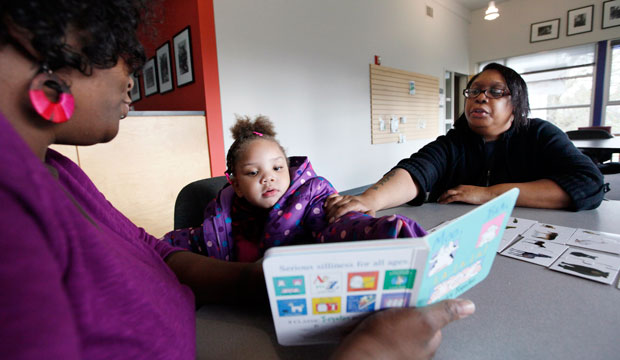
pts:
pixel 193 198
pixel 588 134
pixel 606 128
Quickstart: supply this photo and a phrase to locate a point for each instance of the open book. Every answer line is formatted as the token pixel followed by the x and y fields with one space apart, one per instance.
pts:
pixel 318 292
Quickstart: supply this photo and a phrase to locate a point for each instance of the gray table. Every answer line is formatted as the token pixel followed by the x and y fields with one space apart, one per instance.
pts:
pixel 612 144
pixel 524 311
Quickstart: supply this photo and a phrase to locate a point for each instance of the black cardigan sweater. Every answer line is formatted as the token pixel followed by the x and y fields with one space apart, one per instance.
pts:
pixel 537 150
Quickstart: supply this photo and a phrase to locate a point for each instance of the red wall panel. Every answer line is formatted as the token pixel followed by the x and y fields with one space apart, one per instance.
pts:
pixel 173 16
pixel 204 93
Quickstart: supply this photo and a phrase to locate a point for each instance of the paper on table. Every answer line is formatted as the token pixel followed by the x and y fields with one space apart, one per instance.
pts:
pixel 595 240
pixel 514 228
pixel 536 251
pixel 588 264
pixel 553 233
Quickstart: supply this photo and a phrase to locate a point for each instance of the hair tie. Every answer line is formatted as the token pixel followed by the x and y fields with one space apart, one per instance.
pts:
pixel 257 133
pixel 227 177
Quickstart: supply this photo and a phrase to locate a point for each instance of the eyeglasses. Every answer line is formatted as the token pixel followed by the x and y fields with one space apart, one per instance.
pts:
pixel 492 93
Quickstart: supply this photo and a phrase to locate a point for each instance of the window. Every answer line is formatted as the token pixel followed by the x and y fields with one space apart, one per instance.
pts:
pixel 612 110
pixel 560 84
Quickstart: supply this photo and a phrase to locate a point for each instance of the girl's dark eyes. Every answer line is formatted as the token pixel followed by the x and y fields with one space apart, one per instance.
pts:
pixel 255 172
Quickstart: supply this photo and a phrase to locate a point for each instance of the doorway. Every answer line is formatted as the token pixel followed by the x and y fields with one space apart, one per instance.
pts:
pixel 460 83
pixel 455 102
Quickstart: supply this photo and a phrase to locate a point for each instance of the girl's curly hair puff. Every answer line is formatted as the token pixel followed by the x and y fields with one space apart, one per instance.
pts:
pixel 244 132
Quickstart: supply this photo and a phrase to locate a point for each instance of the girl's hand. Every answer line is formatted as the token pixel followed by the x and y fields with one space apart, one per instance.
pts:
pixel 236 282
pixel 468 194
pixel 253 285
pixel 337 205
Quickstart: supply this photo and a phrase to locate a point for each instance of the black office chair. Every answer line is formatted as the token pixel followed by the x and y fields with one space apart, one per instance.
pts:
pixel 193 198
pixel 589 134
pixel 599 157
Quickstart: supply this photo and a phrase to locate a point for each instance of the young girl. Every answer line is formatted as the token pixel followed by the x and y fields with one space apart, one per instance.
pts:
pixel 274 200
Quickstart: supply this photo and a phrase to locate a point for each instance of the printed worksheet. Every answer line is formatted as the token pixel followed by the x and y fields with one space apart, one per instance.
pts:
pixel 536 251
pixel 595 240
pixel 588 264
pixel 514 228
pixel 547 232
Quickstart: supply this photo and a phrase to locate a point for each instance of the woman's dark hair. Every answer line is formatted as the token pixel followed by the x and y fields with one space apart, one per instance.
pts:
pixel 518 92
pixel 244 132
pixel 106 30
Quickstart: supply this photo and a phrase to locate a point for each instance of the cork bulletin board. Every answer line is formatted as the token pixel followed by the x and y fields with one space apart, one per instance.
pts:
pixel 407 102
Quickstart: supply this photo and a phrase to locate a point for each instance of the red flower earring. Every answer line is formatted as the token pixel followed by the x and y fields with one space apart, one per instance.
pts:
pixel 56 112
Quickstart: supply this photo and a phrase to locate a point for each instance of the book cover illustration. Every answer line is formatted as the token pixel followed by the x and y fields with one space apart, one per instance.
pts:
pixel 462 252
pixel 319 292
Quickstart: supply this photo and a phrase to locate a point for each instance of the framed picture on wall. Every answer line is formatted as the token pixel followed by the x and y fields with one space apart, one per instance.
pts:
pixel 164 70
pixel 149 74
pixel 545 30
pixel 135 90
pixel 611 14
pixel 183 57
pixel 579 20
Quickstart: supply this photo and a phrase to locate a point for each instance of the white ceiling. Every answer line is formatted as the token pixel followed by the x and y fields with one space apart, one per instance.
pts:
pixel 476 4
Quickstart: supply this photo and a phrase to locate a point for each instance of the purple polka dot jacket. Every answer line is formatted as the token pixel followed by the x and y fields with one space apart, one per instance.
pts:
pixel 233 230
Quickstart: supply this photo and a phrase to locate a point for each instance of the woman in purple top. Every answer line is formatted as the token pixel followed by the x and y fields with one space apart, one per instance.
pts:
pixel 78 280
pixel 273 201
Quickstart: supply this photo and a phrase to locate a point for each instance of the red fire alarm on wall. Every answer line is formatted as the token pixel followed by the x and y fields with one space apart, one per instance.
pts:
pixel 377 60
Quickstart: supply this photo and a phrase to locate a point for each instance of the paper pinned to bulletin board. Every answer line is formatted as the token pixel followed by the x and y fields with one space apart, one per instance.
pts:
pixel 407 97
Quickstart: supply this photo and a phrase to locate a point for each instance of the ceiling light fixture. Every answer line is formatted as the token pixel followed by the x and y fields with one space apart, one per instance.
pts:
pixel 492 13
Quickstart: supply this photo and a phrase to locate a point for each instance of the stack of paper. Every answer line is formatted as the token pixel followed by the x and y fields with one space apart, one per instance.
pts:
pixel 585 253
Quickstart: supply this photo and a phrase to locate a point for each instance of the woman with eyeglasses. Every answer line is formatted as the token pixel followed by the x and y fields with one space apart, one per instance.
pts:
pixel 492 148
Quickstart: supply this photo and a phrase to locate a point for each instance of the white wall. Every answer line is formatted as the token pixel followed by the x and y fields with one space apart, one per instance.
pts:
pixel 509 35
pixel 304 63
